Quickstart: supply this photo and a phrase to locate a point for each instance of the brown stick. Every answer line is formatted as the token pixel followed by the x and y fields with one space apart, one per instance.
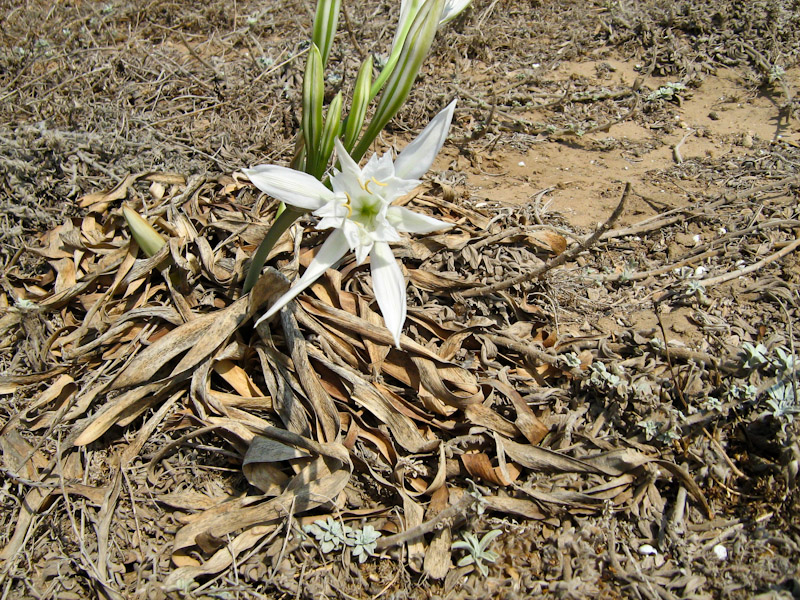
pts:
pixel 754 267
pixel 448 517
pixel 558 260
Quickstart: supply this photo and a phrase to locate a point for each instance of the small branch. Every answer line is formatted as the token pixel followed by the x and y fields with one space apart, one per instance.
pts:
pixel 447 518
pixel 556 261
pixel 640 275
pixel 534 355
pixel 676 149
pixel 754 267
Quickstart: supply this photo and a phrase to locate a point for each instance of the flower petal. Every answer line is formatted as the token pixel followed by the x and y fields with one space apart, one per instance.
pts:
pixel 292 187
pixel 331 252
pixel 453 8
pixel 381 168
pixel 389 286
pixel 416 158
pixel 350 169
pixel 409 221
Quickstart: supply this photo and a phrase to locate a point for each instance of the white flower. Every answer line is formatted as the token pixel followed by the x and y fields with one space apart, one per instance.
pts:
pixel 359 211
pixel 453 8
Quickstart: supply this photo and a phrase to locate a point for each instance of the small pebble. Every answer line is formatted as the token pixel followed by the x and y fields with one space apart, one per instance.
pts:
pixel 714 115
pixel 647 550
pixel 720 551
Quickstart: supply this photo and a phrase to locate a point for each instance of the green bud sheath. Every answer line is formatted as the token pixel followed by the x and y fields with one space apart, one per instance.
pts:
pixel 415 49
pixel 149 240
pixel 361 98
pixel 333 125
pixel 325 22
pixel 313 97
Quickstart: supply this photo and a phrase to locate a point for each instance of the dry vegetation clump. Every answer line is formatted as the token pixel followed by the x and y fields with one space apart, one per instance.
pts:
pixel 618 401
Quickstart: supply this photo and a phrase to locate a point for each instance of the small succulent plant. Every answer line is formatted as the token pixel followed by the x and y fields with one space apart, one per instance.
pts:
pixel 332 535
pixel 753 357
pixel 363 542
pixel 478 552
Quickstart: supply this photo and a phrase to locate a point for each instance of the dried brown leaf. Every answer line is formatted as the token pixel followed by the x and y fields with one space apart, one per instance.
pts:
pixel 437 561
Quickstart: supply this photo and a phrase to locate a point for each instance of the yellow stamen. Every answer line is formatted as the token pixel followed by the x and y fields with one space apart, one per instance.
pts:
pixel 365 187
pixel 348 205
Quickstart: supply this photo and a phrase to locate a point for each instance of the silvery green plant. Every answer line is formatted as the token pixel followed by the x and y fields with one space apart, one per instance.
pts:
pixel 785 363
pixel 602 377
pixel 781 399
pixel 363 542
pixel 330 533
pixel 650 427
pixel 571 360
pixel 667 92
pixel 753 357
pixel 478 552
pixel 333 535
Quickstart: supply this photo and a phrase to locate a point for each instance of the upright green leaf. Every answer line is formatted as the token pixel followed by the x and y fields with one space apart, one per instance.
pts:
pixel 325 23
pixel 313 98
pixel 333 125
pixel 415 49
pixel 358 110
pixel 408 12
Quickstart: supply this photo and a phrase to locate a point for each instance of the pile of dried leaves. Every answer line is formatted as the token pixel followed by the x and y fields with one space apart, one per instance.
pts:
pixel 154 365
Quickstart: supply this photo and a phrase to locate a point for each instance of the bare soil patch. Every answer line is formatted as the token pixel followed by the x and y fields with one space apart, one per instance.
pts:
pixel 600 358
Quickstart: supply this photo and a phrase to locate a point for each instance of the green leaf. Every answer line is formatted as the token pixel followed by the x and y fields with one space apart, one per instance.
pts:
pixel 489 538
pixel 149 240
pixel 415 49
pixel 313 98
pixel 333 125
pixel 358 110
pixel 326 21
pixel 408 11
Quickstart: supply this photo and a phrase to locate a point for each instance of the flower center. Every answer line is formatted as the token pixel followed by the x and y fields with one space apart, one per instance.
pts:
pixel 364 208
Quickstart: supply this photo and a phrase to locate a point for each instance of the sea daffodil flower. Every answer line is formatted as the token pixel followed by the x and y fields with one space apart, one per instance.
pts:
pixel 359 210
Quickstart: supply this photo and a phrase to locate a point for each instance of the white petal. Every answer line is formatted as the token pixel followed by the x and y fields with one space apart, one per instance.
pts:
pixel 452 8
pixel 389 287
pixel 332 250
pixel 351 173
pixel 292 187
pixel 362 251
pixel 381 168
pixel 412 222
pixel 395 188
pixel 416 158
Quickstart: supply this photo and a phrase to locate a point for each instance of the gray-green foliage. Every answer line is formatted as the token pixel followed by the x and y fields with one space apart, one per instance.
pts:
pixel 333 536
pixel 478 552
pixel 782 365
pixel 753 357
pixel 330 533
pixel 667 92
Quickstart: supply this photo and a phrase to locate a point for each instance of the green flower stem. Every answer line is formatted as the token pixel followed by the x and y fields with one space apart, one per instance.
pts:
pixel 281 224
